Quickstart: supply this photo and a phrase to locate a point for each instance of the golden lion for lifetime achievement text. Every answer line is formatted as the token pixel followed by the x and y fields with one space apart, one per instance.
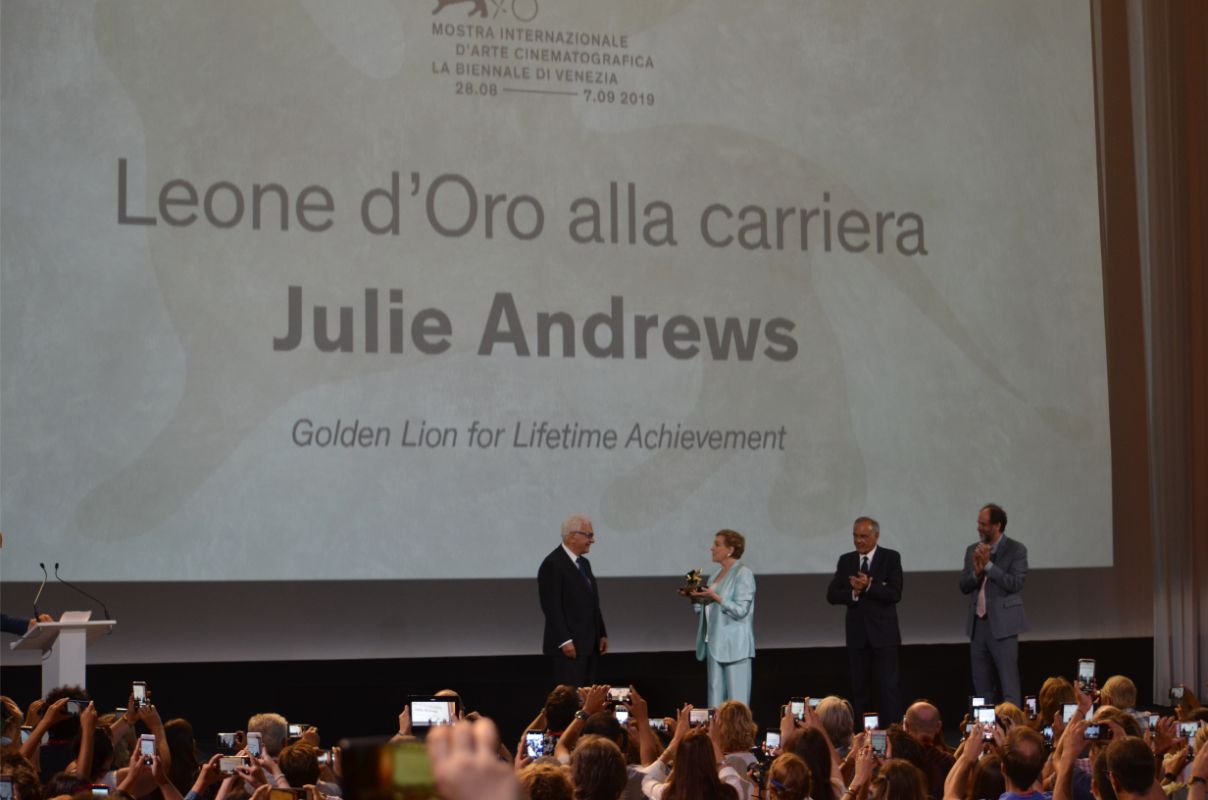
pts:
pixel 693 582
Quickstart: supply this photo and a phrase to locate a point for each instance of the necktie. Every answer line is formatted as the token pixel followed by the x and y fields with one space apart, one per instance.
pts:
pixel 981 599
pixel 582 565
pixel 864 564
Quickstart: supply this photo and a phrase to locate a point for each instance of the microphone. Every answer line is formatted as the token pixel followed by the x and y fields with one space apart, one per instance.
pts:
pixel 38 595
pixel 104 610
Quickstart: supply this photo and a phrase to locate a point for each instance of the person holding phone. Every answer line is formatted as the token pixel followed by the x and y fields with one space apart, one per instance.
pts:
pixel 725 630
pixel 993 577
pixel 868 581
pixel 575 636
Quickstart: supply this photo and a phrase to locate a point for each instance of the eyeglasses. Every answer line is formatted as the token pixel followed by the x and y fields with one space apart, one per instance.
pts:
pixel 588 534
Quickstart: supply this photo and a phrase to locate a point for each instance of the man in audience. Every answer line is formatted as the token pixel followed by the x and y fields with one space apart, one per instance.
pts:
pixel 1130 768
pixel 923 724
pixel 868 581
pixel 1023 759
pixel 575 636
pixel 273 730
pixel 994 573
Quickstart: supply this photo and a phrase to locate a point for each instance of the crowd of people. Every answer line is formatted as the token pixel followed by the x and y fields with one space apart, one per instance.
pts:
pixel 600 743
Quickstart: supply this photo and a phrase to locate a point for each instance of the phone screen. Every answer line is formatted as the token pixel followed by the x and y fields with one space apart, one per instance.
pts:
pixel 426 713
pixel 139 690
pixel 1067 712
pixel 985 715
pixel 878 740
pixel 622 715
pixel 798 708
pixel 1086 674
pixel 772 740
pixel 253 743
pixel 411 768
pixel 814 701
pixel 619 694
pixel 295 731
pixel 976 701
pixel 6 787
pixel 698 716
pixel 227 764
pixel 534 744
pixel 146 746
pixel 1030 706
pixel 871 722
pixel 1048 735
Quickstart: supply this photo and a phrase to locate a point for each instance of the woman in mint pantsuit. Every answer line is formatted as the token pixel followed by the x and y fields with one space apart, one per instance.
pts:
pixel 725 636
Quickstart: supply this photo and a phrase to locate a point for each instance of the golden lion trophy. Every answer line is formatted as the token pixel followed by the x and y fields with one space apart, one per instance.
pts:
pixel 693 582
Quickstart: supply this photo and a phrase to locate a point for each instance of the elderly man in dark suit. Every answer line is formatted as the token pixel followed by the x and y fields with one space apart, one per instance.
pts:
pixel 869 582
pixel 575 637
pixel 993 576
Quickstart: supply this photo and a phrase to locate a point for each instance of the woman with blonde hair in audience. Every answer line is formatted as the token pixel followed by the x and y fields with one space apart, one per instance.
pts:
pixel 546 782
pixel 788 778
pixel 736 732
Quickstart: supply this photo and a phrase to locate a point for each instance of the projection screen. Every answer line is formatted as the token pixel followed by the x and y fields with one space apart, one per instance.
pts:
pixel 384 290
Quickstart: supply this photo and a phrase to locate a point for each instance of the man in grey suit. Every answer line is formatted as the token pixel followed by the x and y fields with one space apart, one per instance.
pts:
pixel 994 573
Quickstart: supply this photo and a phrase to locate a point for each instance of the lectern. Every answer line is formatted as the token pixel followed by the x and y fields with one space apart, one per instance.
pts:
pixel 65 649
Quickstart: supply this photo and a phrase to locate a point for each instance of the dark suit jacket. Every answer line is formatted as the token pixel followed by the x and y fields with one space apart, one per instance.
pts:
pixel 1004 584
pixel 572 610
pixel 872 621
pixel 14 625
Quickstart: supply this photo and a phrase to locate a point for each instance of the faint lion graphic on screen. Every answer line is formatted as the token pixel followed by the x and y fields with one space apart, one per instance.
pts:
pixel 480 7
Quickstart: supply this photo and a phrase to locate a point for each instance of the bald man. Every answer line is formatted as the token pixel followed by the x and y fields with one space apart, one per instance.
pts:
pixel 575 637
pixel 923 724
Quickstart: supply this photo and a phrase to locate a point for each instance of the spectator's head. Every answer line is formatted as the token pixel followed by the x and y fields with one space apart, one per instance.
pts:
pixel 838 720
pixel 1011 712
pixel 1130 766
pixel 66 729
pixel 183 748
pixel 695 773
pixel 903 746
pixel 1118 691
pixel 299 762
pixel 898 780
pixel 1023 758
pixel 810 745
pixel 597 769
pixel 26 785
pixel 731 542
pixel 102 752
pixel 63 783
pixel 735 726
pixel 788 778
pixel 985 780
pixel 273 730
pixel 923 723
pixel 546 782
pixel 604 723
pixel 578 534
pixel 1101 782
pixel 1055 693
pixel 560 707
pixel 1130 724
pixel 865 532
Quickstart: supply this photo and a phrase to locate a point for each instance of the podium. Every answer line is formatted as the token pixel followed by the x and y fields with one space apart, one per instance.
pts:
pixel 66 644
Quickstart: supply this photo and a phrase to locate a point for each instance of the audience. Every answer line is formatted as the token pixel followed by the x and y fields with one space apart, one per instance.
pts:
pixel 600 758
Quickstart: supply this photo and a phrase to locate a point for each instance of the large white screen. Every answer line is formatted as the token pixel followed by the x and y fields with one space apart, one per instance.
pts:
pixel 897 202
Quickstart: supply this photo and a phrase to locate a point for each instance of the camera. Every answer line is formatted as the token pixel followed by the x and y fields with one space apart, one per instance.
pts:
pixel 757 770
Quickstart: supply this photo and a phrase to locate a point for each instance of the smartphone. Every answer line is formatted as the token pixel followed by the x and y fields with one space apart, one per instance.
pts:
pixel 969 728
pixel 1086 675
pixel 985 715
pixel 797 706
pixel 139 690
pixel 659 725
pixel 324 758
pixel 295 730
pixel 698 717
pixel 879 742
pixel 227 742
pixel 622 715
pixel 1030 706
pixel 977 700
pixel 1047 733
pixel 814 701
pixel 430 710
pixel 26 732
pixel 534 744
pixel 1097 733
pixel 1176 695
pixel 253 743
pixel 100 790
pixel 227 764
pixel 1067 712
pixel 1187 729
pixel 1153 722
pixel 619 694
pixel 6 787
pixel 771 740
pixel 871 721
pixel 74 707
pixel 146 747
